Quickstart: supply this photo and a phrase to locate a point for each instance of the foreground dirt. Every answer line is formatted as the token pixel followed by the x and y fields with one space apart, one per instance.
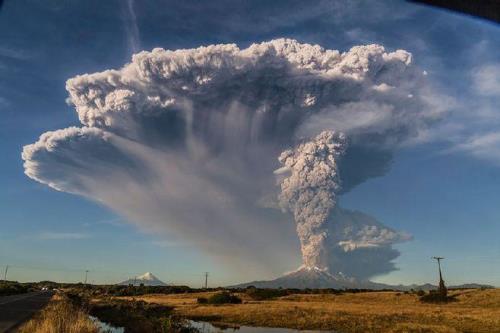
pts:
pixel 474 311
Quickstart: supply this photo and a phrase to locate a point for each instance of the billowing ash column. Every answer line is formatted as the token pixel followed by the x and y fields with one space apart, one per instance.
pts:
pixel 309 181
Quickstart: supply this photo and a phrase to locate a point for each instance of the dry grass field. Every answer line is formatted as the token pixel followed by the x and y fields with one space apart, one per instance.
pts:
pixel 60 316
pixel 474 311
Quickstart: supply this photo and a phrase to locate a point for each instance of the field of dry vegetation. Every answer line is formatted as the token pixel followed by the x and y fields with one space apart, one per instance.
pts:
pixel 60 316
pixel 474 311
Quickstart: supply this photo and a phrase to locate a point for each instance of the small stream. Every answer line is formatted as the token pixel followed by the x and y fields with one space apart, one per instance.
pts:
pixel 106 328
pixel 206 327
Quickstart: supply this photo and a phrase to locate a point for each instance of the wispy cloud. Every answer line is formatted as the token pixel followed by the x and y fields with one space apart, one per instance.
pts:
pixel 131 27
pixel 486 79
pixel 485 146
pixel 167 243
pixel 50 235
pixel 473 127
pixel 116 222
pixel 3 102
pixel 13 53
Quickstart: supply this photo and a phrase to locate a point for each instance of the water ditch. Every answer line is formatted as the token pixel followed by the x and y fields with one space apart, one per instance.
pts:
pixel 105 327
pixel 206 327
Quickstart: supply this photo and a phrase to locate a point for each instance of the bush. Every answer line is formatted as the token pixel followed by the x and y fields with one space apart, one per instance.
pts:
pixel 224 298
pixel 12 288
pixel 420 293
pixel 436 297
pixel 118 290
pixel 202 300
pixel 135 316
pixel 263 294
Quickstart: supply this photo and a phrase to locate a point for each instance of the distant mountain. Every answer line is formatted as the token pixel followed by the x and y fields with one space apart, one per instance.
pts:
pixel 147 279
pixel 424 287
pixel 316 278
pixel 472 286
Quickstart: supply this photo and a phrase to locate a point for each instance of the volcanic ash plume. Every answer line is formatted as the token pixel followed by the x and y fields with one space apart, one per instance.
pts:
pixel 310 192
pixel 183 143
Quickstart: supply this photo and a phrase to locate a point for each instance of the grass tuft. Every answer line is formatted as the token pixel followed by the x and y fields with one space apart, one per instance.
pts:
pixel 60 316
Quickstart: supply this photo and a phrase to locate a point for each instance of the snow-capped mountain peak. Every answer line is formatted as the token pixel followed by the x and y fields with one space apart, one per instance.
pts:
pixel 147 276
pixel 146 279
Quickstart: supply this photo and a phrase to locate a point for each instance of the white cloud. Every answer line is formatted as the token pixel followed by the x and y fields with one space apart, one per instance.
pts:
pixel 486 79
pixel 371 236
pixel 485 146
pixel 131 26
pixel 51 235
pixel 167 243
pixel 13 53
pixel 116 222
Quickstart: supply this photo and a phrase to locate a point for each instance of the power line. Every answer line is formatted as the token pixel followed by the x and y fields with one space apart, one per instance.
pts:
pixel 117 275
pixel 8 269
pixel 48 269
pixel 206 280
pixel 442 286
pixel 439 266
pixel 82 272
pixel 71 270
pixel 5 273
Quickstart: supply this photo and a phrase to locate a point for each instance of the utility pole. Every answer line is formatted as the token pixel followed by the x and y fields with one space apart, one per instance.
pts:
pixel 86 272
pixel 442 287
pixel 5 273
pixel 206 280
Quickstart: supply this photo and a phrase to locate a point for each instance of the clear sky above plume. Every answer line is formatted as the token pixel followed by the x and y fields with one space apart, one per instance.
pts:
pixel 167 161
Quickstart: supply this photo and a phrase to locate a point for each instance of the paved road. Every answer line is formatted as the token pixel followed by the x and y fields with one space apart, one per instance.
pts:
pixel 16 309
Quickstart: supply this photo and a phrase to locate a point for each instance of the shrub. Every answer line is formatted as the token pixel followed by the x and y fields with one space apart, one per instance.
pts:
pixel 263 294
pixel 202 300
pixel 12 288
pixel 134 316
pixel 436 297
pixel 224 298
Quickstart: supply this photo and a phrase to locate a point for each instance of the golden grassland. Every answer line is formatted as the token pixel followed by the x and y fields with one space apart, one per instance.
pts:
pixel 60 316
pixel 474 311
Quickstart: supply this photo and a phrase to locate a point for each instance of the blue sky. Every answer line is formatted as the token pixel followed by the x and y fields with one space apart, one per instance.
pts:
pixel 445 192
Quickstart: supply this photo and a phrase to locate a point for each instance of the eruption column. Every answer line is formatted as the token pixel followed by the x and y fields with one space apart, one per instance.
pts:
pixel 309 191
